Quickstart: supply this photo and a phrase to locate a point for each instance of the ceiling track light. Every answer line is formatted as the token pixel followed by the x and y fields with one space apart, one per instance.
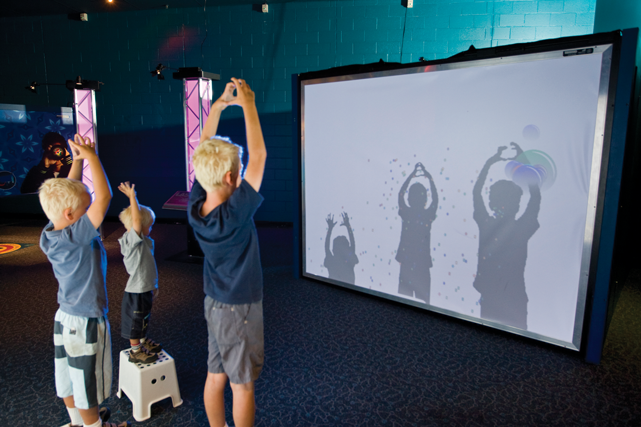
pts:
pixel 32 87
pixel 78 83
pixel 158 72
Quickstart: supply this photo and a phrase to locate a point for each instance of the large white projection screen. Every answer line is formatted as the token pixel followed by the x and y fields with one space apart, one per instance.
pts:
pixel 466 188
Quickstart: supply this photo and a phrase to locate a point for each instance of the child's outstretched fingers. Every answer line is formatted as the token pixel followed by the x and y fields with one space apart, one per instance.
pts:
pixel 345 219
pixel 127 188
pixel 330 220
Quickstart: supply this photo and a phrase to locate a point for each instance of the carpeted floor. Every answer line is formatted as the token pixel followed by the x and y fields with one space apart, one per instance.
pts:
pixel 334 357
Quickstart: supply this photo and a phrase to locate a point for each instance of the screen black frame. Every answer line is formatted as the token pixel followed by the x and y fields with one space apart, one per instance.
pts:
pixel 607 168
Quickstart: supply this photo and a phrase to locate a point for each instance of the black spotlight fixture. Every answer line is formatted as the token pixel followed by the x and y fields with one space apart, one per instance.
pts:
pixel 158 72
pixel 32 87
pixel 80 83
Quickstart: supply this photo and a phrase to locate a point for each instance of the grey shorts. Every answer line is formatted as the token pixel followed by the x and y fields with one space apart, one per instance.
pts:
pixel 236 341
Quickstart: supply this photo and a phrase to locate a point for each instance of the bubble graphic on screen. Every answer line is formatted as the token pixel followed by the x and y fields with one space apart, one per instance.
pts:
pixel 531 132
pixel 532 167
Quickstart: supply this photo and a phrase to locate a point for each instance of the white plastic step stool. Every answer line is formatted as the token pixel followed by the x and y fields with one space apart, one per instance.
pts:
pixel 146 384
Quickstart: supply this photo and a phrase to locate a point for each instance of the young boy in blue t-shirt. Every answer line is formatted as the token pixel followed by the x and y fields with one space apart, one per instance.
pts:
pixel 72 244
pixel 142 287
pixel 221 209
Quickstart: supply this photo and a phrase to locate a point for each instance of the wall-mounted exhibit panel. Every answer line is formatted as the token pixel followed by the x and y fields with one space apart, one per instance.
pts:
pixel 466 187
pixel 33 146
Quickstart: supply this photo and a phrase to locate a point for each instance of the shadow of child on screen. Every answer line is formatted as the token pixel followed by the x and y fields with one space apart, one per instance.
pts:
pixel 413 252
pixel 340 264
pixel 503 241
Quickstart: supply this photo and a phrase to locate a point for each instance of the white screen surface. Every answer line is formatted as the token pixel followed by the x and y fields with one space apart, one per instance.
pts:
pixel 362 139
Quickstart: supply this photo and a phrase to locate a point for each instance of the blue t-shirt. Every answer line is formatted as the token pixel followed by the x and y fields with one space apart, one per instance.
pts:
pixel 228 239
pixel 79 263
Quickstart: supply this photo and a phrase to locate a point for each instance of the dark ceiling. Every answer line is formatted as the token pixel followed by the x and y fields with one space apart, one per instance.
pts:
pixel 66 7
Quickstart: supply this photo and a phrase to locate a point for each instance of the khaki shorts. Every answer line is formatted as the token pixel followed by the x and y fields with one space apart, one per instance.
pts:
pixel 236 340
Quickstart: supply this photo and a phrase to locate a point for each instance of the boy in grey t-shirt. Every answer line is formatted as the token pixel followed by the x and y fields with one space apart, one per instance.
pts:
pixel 142 288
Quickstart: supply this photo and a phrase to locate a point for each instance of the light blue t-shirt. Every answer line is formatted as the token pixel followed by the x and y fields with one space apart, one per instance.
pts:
pixel 79 262
pixel 139 262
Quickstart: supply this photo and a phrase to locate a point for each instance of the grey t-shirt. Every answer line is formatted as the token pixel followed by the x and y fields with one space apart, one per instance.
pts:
pixel 139 262
pixel 79 263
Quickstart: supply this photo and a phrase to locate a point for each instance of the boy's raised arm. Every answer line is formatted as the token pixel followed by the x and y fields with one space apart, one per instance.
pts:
pixel 129 191
pixel 211 125
pixel 255 142
pixel 76 167
pixel 102 190
pixel 477 197
pixel 330 227
pixel 401 192
pixel 434 204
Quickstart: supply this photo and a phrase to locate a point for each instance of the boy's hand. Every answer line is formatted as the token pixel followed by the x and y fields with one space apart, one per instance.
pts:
pixel 245 97
pixel 345 219
pixel 419 169
pixel 497 157
pixel 226 98
pixel 82 148
pixel 518 150
pixel 330 221
pixel 128 189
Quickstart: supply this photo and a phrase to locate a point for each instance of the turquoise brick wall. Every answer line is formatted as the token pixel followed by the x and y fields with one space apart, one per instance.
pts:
pixel 141 118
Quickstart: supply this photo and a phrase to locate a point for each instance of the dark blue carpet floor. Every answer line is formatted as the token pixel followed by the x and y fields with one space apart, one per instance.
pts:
pixel 334 357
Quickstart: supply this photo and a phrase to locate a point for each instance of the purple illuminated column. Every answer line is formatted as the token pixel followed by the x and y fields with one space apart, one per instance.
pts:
pixel 85 103
pixel 198 94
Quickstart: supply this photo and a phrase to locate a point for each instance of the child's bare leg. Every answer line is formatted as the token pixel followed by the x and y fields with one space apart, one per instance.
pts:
pixel 89 416
pixel 214 397
pixel 69 402
pixel 244 404
pixel 74 414
pixel 134 342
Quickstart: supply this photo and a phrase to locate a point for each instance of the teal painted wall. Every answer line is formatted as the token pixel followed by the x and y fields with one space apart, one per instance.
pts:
pixel 618 15
pixel 140 118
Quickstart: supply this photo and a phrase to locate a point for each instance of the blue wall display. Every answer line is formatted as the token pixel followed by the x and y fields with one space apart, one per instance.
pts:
pixel 22 128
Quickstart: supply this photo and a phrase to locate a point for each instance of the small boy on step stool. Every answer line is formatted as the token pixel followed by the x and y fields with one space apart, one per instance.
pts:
pixel 142 287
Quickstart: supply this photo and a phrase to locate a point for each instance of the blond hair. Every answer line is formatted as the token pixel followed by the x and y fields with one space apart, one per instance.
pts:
pixel 147 217
pixel 213 158
pixel 58 194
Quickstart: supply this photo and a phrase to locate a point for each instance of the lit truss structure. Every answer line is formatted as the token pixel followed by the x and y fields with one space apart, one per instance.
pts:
pixel 198 95
pixel 85 111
